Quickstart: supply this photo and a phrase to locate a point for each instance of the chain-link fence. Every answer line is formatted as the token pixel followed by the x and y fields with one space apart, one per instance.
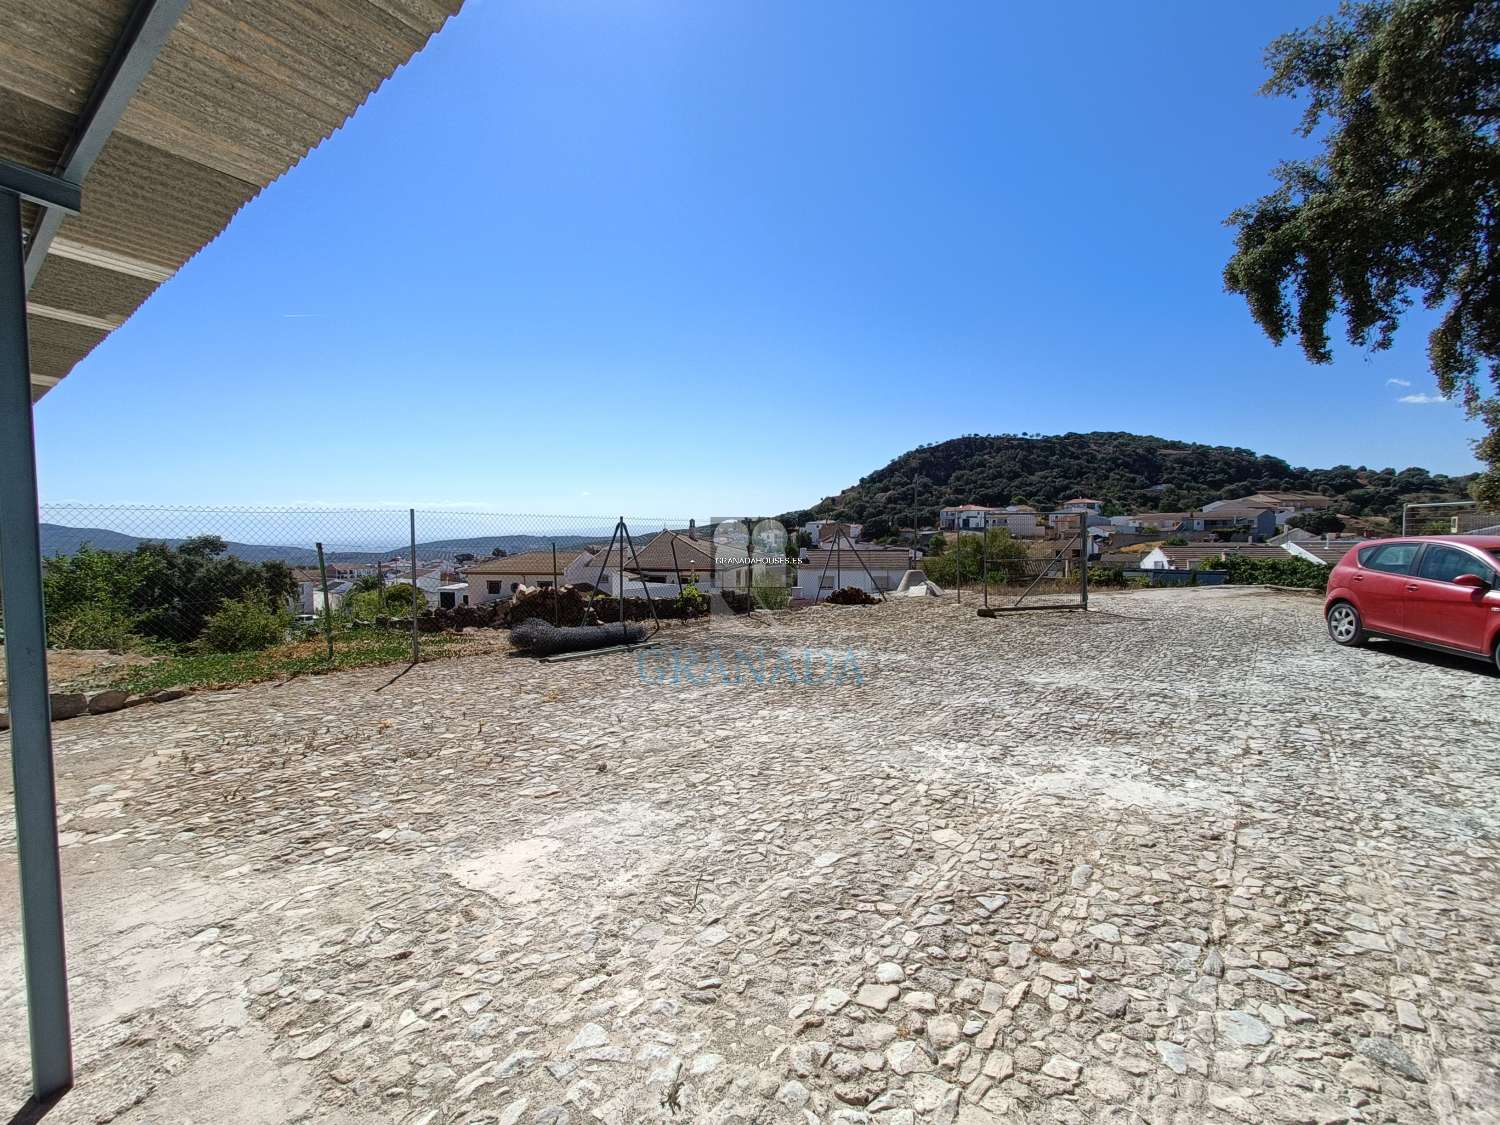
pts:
pixel 1449 518
pixel 226 580
pixel 995 566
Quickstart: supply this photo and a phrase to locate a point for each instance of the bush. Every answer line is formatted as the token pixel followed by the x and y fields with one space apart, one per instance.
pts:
pixel 1106 576
pixel 398 600
pixel 242 626
pixel 772 597
pixel 850 595
pixel 1300 573
pixel 93 626
pixel 691 602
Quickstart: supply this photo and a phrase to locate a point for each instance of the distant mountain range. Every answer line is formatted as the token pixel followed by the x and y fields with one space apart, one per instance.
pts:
pixel 58 539
pixel 1128 472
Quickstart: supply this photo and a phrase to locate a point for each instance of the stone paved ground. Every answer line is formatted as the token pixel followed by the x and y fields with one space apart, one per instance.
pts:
pixel 1181 861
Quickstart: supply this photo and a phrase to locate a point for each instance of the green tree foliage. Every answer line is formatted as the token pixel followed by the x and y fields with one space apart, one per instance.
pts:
pixel 1319 523
pixel 156 591
pixel 243 626
pixel 1133 472
pixel 395 600
pixel 1403 200
pixel 1300 573
pixel 1006 558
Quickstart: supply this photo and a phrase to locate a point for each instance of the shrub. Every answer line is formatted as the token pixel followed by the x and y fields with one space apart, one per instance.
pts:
pixel 691 602
pixel 1106 576
pixel 243 625
pixel 93 626
pixel 850 595
pixel 772 597
pixel 1300 573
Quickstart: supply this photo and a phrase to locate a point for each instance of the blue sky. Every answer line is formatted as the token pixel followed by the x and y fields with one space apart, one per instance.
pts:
pixel 701 258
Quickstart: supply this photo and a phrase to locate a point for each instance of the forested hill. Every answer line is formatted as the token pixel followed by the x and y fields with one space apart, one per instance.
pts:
pixel 1129 472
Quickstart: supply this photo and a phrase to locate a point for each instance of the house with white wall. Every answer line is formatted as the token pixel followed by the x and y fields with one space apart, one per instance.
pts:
pixel 826 531
pixel 874 570
pixel 1284 505
pixel 497 580
pixel 1197 556
pixel 966 517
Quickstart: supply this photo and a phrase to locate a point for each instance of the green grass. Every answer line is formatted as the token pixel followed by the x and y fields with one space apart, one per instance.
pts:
pixel 360 648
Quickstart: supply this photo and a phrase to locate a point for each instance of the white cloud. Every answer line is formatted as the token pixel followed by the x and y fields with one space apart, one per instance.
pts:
pixel 1423 400
pixel 1398 382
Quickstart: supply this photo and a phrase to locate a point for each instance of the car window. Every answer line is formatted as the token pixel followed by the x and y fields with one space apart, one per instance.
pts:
pixel 1394 558
pixel 1444 564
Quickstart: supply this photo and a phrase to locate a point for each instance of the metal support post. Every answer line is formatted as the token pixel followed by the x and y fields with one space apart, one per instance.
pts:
pixel 1083 564
pixel 26 668
pixel 327 608
pixel 416 591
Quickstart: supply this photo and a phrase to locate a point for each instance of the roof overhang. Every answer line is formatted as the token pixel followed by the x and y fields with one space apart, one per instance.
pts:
pixel 171 115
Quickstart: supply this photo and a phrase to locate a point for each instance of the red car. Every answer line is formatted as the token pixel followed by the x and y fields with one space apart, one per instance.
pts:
pixel 1437 591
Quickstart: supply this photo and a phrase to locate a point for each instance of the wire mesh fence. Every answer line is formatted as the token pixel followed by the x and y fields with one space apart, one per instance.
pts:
pixel 213 579
pixel 1449 518
pixel 231 593
pixel 995 566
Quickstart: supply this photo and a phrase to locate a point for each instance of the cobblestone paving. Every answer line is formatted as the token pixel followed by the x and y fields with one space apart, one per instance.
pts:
pixel 1179 861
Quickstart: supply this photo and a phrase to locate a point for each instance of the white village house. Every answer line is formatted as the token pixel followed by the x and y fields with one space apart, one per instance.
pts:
pixel 874 570
pixel 497 580
pixel 1018 519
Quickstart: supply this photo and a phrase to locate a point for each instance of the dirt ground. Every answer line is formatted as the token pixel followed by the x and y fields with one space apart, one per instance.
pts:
pixel 81 669
pixel 1181 860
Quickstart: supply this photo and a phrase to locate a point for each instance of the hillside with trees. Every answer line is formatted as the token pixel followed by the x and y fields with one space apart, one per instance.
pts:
pixel 1129 472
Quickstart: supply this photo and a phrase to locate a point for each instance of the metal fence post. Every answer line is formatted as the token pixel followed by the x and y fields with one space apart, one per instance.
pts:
pixel 416 591
pixel 984 569
pixel 1083 563
pixel 327 608
pixel 556 610
pixel 26 686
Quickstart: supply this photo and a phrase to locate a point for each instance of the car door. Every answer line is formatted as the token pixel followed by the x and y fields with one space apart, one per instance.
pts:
pixel 1379 584
pixel 1440 612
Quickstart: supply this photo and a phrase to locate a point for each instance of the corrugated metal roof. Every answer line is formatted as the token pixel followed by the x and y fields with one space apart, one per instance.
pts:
pixel 240 92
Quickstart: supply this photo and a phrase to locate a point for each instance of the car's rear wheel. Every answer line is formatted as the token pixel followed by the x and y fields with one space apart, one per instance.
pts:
pixel 1344 625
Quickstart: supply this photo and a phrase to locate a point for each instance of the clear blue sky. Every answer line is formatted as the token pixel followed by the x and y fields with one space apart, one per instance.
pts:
pixel 701 258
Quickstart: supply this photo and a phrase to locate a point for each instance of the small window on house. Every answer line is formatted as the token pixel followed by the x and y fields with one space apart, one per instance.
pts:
pixel 825 582
pixel 492 586
pixel 514 586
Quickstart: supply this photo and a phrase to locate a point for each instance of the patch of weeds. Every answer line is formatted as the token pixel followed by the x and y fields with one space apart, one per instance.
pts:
pixel 356 648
